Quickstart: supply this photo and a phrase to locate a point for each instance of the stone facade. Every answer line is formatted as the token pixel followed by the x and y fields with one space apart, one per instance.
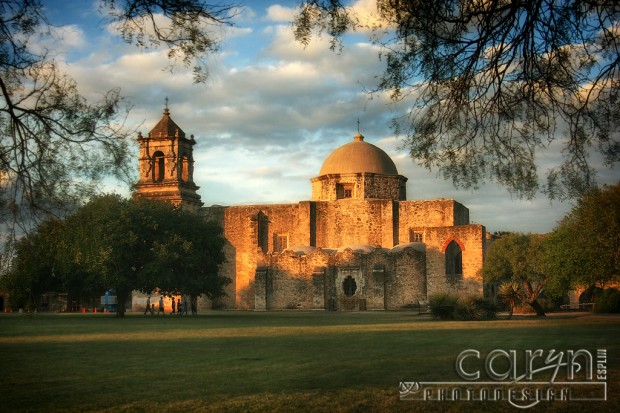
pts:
pixel 350 278
pixel 357 245
pixel 262 238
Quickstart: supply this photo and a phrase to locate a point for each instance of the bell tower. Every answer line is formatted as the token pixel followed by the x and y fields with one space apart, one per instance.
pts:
pixel 167 165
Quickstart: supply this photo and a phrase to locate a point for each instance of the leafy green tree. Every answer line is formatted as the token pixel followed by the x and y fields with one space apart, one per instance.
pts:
pixel 123 244
pixel 492 83
pixel 33 269
pixel 518 258
pixel 584 249
pixel 185 254
pixel 144 245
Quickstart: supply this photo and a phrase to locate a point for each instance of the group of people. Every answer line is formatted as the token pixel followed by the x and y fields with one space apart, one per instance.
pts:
pixel 178 308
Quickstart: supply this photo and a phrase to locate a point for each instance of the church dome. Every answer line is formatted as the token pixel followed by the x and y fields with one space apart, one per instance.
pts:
pixel 358 157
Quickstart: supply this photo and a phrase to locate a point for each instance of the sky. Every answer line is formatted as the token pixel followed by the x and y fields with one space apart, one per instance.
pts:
pixel 271 110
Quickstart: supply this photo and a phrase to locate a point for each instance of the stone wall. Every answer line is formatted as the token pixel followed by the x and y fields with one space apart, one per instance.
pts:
pixel 471 239
pixel 434 213
pixel 242 227
pixel 352 221
pixel 406 284
pixel 383 279
pixel 324 187
pixel 381 186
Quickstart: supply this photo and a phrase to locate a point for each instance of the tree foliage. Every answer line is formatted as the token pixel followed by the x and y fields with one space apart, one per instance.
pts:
pixel 32 270
pixel 127 245
pixel 185 27
pixel 518 258
pixel 55 145
pixel 584 249
pixel 494 83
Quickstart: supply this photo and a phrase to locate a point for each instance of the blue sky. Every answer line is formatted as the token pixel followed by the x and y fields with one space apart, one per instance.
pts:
pixel 271 111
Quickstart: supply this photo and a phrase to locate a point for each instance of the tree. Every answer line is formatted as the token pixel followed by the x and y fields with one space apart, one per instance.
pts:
pixel 584 249
pixel 518 258
pixel 188 31
pixel 123 244
pixel 55 146
pixel 144 245
pixel 32 270
pixel 493 83
pixel 185 255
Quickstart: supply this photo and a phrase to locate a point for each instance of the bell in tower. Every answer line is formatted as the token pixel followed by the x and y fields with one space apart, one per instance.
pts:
pixel 167 165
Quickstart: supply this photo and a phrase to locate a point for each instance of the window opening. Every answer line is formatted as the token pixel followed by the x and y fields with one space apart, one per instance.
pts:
pixel 349 286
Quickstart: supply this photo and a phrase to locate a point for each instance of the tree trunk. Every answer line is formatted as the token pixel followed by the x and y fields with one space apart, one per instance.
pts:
pixel 532 296
pixel 510 312
pixel 121 298
pixel 537 307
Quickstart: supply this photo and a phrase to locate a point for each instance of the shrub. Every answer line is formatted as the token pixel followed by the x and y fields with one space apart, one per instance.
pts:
pixel 608 301
pixel 473 308
pixel 448 306
pixel 487 307
pixel 443 305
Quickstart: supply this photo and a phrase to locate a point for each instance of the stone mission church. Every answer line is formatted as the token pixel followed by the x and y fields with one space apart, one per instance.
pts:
pixel 358 244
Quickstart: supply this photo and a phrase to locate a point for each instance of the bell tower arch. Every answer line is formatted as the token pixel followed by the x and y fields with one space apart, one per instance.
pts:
pixel 167 165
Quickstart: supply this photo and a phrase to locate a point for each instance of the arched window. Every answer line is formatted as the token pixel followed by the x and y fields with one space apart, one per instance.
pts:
pixel 158 166
pixel 454 263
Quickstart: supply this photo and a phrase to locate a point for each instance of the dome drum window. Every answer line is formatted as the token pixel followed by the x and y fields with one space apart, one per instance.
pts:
pixel 344 191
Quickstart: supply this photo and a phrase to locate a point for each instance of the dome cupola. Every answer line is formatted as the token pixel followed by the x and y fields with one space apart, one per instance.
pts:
pixel 358 157
pixel 358 170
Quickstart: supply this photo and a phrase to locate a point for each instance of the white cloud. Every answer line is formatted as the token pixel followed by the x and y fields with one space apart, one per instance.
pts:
pixel 278 13
pixel 59 42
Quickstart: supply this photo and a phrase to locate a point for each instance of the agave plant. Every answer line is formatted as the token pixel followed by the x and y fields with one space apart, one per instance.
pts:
pixel 511 294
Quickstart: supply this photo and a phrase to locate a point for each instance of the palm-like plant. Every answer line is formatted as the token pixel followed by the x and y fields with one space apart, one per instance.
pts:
pixel 511 294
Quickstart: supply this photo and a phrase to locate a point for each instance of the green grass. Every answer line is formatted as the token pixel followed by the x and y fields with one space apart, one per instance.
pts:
pixel 276 361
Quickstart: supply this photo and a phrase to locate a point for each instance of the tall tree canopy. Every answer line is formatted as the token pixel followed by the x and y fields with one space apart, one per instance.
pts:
pixel 55 146
pixel 584 249
pixel 493 83
pixel 123 244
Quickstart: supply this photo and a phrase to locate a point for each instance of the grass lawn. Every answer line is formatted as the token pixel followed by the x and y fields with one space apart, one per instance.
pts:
pixel 233 361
